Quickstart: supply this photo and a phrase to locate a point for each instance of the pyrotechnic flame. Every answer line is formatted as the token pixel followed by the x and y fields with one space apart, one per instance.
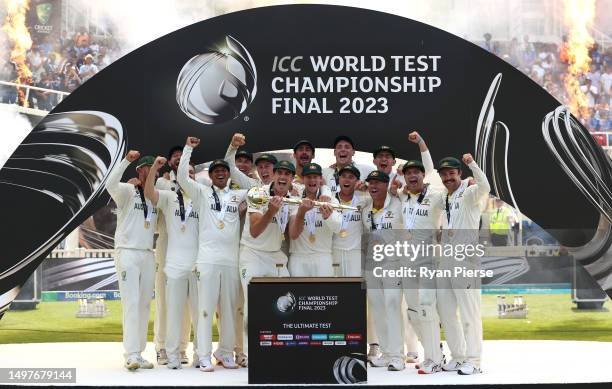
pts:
pixel 579 16
pixel 19 36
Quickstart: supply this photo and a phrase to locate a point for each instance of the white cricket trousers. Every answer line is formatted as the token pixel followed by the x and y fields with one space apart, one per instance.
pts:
pixel 181 297
pixel 384 303
pixel 135 273
pixel 409 332
pixel 311 265
pixel 423 316
pixel 256 263
pixel 218 288
pixel 347 263
pixel 159 324
pixel 464 335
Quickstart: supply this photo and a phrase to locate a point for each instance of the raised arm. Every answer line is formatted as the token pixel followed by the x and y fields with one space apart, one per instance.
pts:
pixel 482 186
pixel 244 181
pixel 415 137
pixel 149 191
pixel 119 191
pixel 191 187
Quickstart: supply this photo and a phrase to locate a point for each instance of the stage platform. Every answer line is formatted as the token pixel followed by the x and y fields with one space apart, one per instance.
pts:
pixel 504 362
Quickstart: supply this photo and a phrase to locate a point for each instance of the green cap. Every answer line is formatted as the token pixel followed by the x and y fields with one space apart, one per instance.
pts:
pixel 449 163
pixel 147 160
pixel 378 176
pixel 266 157
pixel 244 153
pixel 216 163
pixel 285 165
pixel 384 149
pixel 350 168
pixel 413 163
pixel 312 168
pixel 303 142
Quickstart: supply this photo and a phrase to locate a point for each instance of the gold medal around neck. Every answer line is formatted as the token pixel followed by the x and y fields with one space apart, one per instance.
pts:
pixel 312 238
pixel 282 237
pixel 221 225
pixel 343 233
pixel 147 224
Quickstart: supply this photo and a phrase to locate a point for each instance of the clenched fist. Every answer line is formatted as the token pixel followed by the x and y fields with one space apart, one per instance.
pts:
pixel 132 155
pixel 192 141
pixel 414 137
pixel 467 158
pixel 159 162
pixel 238 140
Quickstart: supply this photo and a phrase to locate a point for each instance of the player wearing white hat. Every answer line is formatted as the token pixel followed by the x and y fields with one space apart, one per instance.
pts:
pixel 422 218
pixel 181 224
pixel 344 150
pixel 136 219
pixel 217 259
pixel 263 234
pixel 311 230
pixel 160 320
pixel 379 217
pixel 463 205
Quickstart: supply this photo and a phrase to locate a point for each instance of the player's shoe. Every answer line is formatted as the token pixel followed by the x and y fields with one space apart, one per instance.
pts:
pixel 174 364
pixel 374 351
pixel 144 364
pixel 429 367
pixel 226 361
pixel 162 357
pixel 396 364
pixel 468 368
pixel 382 361
pixel 184 359
pixel 453 365
pixel 206 365
pixel 412 357
pixel 196 361
pixel 132 363
pixel 242 359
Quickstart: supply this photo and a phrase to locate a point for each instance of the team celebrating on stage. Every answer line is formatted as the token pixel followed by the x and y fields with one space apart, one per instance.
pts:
pixel 278 218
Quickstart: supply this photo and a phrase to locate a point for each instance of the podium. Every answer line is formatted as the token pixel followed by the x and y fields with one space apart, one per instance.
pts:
pixel 307 330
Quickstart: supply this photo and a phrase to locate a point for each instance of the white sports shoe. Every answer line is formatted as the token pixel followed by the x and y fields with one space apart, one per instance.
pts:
pixel 382 361
pixel 453 365
pixel 412 357
pixel 174 364
pixel 374 351
pixel 184 359
pixel 226 361
pixel 132 363
pixel 144 364
pixel 242 359
pixel 468 368
pixel 206 365
pixel 196 361
pixel 429 367
pixel 162 357
pixel 396 364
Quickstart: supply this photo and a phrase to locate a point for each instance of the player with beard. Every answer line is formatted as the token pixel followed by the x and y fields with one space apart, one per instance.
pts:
pixel 180 287
pixel 263 235
pixel 344 150
pixel 462 203
pixel 303 154
pixel 159 323
pixel 241 170
pixel 380 217
pixel 217 259
pixel 136 220
pixel 312 229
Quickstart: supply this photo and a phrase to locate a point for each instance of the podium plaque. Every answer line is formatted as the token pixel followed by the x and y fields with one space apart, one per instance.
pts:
pixel 307 331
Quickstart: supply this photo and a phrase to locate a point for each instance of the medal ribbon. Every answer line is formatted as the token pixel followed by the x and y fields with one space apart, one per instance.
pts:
pixel 145 208
pixel 183 212
pixel 220 205
pixel 283 214
pixel 451 214
pixel 409 220
pixel 346 216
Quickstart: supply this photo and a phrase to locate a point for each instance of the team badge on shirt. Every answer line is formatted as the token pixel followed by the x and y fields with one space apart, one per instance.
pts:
pixel 123 275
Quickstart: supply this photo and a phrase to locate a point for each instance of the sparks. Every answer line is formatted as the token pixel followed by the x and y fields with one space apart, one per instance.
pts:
pixel 19 36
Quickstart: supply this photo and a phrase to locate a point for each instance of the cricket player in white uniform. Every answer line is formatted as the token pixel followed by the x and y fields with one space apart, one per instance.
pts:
pixel 344 150
pixel 264 165
pixel 422 219
pixel 136 219
pixel 159 324
pixel 311 230
pixel 379 217
pixel 217 260
pixel 263 234
pixel 346 247
pixel 463 206
pixel 181 224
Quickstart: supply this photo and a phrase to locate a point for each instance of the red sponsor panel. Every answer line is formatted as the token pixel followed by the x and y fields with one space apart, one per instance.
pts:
pixel 277 343
pixel 353 336
pixel 267 337
pixel 315 343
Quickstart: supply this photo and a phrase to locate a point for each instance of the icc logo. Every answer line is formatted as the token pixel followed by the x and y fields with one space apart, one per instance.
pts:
pixel 286 303
pixel 217 86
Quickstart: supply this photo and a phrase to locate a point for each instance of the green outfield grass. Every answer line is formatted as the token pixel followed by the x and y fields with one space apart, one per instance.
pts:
pixel 551 316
